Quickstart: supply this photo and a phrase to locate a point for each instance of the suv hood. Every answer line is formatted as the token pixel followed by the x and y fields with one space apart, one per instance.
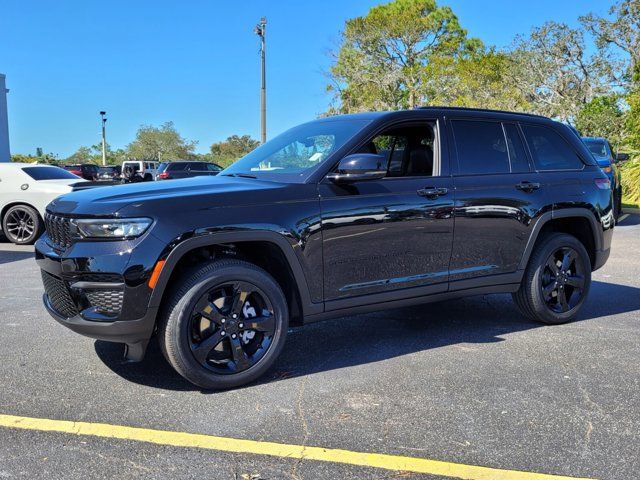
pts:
pixel 166 197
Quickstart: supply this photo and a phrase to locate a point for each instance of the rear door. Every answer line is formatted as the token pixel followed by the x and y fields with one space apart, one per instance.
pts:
pixel 560 166
pixel 497 197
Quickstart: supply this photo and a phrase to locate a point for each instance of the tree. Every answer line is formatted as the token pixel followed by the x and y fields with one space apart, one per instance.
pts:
pixel 82 155
pixel 226 152
pixel 602 117
pixel 555 74
pixel 478 78
pixel 383 56
pixel 160 143
pixel 622 32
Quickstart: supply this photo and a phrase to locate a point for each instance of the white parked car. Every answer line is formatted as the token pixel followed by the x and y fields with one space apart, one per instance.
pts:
pixel 145 170
pixel 25 190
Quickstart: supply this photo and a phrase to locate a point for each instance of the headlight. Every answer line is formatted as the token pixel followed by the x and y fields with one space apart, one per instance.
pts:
pixel 112 228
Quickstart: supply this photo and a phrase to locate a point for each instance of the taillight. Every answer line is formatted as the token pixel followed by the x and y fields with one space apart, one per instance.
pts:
pixel 163 175
pixel 603 183
pixel 76 172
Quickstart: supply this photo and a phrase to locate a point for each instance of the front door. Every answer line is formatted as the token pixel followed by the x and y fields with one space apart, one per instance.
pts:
pixel 392 235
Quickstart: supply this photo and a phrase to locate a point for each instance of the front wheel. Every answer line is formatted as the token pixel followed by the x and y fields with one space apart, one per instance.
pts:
pixel 225 324
pixel 22 225
pixel 556 281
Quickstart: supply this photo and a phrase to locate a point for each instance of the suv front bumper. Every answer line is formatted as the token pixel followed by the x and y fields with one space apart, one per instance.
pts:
pixel 100 289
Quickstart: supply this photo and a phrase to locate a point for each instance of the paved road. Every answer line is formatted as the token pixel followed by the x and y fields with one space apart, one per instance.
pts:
pixel 465 381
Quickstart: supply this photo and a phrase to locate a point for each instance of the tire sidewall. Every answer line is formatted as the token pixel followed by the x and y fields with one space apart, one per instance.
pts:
pixel 178 327
pixel 37 223
pixel 535 286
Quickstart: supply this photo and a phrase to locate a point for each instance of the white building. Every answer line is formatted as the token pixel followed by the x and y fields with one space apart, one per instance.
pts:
pixel 5 156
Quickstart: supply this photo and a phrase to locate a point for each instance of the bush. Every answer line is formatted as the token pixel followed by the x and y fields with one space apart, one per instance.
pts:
pixel 631 181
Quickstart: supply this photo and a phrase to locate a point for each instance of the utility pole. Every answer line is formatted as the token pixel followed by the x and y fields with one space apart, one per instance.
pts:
pixel 104 143
pixel 260 31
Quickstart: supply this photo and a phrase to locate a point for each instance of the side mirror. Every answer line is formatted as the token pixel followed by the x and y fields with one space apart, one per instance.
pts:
pixel 622 157
pixel 359 167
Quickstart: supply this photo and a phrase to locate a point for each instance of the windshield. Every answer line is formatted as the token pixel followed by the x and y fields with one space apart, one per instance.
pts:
pixel 597 147
pixel 49 173
pixel 292 155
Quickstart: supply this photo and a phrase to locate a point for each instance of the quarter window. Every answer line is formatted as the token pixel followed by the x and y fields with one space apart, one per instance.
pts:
pixel 481 147
pixel 549 150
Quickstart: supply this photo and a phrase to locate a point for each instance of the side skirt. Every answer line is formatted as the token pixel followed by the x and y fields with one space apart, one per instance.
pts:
pixel 406 302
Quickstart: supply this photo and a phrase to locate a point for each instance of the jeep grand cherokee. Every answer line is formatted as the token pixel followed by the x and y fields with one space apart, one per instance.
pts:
pixel 340 215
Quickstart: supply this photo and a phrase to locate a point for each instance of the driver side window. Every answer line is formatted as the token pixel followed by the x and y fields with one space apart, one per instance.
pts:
pixel 408 151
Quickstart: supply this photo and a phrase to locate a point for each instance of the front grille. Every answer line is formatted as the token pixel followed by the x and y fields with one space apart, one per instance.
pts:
pixel 108 302
pixel 59 295
pixel 58 229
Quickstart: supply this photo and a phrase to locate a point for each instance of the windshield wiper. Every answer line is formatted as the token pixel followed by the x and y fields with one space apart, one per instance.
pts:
pixel 243 175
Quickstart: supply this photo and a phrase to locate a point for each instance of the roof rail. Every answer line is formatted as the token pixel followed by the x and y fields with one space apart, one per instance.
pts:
pixel 469 109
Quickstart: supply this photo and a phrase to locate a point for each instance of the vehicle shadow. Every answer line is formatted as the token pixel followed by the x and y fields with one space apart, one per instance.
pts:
pixel 374 337
pixel 10 256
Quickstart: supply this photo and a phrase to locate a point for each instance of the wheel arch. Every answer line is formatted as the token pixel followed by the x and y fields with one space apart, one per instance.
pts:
pixel 267 249
pixel 15 203
pixel 579 222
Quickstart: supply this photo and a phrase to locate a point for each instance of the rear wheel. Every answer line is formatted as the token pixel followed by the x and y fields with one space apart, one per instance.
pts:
pixel 225 324
pixel 556 281
pixel 22 225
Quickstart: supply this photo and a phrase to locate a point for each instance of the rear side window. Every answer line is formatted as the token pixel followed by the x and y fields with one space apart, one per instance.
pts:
pixel 48 173
pixel 177 166
pixel 549 150
pixel 515 146
pixel 481 147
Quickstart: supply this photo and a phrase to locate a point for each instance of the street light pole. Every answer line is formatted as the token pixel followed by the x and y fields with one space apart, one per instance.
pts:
pixel 260 31
pixel 104 143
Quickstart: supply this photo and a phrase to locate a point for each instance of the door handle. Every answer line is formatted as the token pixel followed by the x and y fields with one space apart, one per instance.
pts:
pixel 528 186
pixel 431 192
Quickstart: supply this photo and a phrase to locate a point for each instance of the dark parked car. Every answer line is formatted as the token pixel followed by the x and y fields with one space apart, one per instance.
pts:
pixel 88 171
pixel 602 150
pixel 187 169
pixel 341 215
pixel 110 173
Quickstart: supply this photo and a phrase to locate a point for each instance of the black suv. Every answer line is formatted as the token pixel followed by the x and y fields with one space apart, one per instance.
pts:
pixel 185 169
pixel 341 215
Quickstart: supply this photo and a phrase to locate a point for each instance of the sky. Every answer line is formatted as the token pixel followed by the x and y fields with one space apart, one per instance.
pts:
pixel 194 62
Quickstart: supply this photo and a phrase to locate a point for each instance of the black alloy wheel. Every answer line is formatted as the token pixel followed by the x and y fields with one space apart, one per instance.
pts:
pixel 21 225
pixel 556 281
pixel 232 327
pixel 563 280
pixel 224 325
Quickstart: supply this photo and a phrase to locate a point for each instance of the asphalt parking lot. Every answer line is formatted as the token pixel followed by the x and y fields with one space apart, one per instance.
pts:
pixel 463 383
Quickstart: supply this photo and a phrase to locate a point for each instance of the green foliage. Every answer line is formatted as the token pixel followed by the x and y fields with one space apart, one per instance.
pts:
pixel 234 147
pixel 160 143
pixel 553 71
pixel 631 181
pixel 384 55
pixel 602 117
pixel 20 158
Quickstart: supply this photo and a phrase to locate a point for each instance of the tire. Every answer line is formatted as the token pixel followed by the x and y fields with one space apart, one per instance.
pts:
pixel 541 291
pixel 22 225
pixel 182 337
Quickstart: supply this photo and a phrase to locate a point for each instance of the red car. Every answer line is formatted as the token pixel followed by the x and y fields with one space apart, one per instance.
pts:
pixel 88 171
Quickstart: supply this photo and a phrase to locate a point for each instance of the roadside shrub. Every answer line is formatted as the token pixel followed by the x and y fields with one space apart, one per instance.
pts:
pixel 631 181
